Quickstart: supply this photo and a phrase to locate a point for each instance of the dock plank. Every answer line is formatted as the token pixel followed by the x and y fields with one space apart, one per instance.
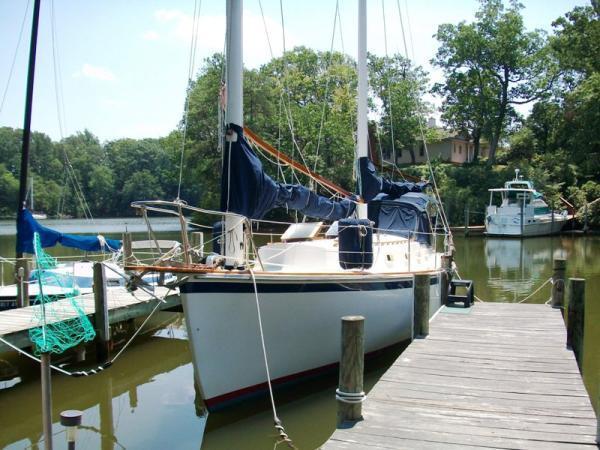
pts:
pixel 498 376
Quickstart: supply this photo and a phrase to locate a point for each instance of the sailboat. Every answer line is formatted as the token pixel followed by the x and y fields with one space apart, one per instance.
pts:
pixel 36 215
pixel 286 298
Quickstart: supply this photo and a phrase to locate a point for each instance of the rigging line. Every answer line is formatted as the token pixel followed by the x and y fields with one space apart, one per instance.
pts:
pixel 388 84
pixel 278 424
pixel 286 107
pixel 325 97
pixel 265 27
pixel 436 190
pixel 79 193
pixel 58 92
pixel 191 64
pixel 340 28
pixel 12 66
pixel 402 28
pixel 412 48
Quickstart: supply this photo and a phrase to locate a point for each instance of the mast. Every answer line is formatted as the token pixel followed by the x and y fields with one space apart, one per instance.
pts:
pixel 362 148
pixel 233 238
pixel 28 106
pixel 235 63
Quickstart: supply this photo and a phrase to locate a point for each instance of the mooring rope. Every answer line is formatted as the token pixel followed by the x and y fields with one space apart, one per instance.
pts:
pixel 101 367
pixel 549 280
pixel 277 422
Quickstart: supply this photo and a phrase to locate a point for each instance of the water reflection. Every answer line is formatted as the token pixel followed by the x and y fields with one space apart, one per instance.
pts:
pixel 150 388
pixel 516 267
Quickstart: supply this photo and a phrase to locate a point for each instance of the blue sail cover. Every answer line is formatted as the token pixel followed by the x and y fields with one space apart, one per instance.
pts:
pixel 404 216
pixel 372 184
pixel 247 190
pixel 27 225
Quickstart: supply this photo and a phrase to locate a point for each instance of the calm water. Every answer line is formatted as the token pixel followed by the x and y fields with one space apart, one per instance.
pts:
pixel 148 400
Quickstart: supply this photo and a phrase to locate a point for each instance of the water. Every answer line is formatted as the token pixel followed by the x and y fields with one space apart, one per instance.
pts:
pixel 147 399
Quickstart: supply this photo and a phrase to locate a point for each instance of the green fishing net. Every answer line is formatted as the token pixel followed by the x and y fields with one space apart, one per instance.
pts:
pixel 58 300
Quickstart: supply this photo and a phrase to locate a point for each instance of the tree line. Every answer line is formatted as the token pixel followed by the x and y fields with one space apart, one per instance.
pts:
pixel 304 104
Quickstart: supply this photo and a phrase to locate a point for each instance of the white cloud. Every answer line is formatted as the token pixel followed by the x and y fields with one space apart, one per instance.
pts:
pixel 95 72
pixel 151 36
pixel 211 35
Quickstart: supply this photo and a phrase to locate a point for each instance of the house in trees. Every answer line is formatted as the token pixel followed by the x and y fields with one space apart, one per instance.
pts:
pixel 448 146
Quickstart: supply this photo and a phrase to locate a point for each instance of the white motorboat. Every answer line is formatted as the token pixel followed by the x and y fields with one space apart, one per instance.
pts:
pixel 518 210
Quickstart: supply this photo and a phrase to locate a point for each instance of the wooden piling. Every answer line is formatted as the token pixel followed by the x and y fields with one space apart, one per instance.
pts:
pixel 445 278
pixel 421 305
pixel 467 221
pixel 350 385
pixel 558 282
pixel 101 323
pixel 576 318
pixel 22 270
pixel 127 249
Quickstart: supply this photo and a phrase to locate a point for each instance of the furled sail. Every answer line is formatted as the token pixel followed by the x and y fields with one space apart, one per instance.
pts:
pixel 247 190
pixel 373 184
pixel 27 225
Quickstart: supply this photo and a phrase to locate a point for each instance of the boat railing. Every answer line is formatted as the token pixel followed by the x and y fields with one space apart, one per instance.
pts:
pixel 195 219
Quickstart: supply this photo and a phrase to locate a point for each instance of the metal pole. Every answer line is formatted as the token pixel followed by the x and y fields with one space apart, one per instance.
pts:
pixel 46 400
pixel 28 108
pixel 362 132
pixel 233 236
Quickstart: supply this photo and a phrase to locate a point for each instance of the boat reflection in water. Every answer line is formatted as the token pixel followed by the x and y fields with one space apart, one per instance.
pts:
pixel 516 267
pixel 150 388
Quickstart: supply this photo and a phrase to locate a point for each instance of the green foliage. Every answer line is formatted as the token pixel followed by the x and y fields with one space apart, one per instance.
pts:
pixel 491 65
pixel 400 88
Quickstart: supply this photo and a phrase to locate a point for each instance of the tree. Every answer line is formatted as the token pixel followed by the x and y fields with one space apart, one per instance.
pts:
pixel 399 87
pixel 515 66
pixel 468 105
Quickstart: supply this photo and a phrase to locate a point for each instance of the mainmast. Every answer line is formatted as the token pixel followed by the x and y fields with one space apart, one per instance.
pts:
pixel 27 121
pixel 233 239
pixel 362 148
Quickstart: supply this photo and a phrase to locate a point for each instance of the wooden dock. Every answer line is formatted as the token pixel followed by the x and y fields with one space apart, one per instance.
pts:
pixel 122 306
pixel 497 375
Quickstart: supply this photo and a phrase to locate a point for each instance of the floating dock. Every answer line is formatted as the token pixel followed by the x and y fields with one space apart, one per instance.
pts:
pixel 497 375
pixel 122 306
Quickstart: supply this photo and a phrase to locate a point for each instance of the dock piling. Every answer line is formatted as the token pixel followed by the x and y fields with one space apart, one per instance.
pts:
pixel 558 282
pixel 467 221
pixel 349 393
pixel 127 249
pixel 101 322
pixel 22 270
pixel 421 305
pixel 445 277
pixel 576 318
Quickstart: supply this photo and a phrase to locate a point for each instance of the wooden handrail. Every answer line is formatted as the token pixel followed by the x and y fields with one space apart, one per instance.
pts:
pixel 259 142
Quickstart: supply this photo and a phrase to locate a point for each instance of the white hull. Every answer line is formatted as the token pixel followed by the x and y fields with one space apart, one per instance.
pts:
pixel 505 225
pixel 301 322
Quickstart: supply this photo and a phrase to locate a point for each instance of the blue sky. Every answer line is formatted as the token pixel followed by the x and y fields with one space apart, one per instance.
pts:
pixel 123 65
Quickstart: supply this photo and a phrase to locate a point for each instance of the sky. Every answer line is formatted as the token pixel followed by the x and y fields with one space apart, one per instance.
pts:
pixel 120 68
